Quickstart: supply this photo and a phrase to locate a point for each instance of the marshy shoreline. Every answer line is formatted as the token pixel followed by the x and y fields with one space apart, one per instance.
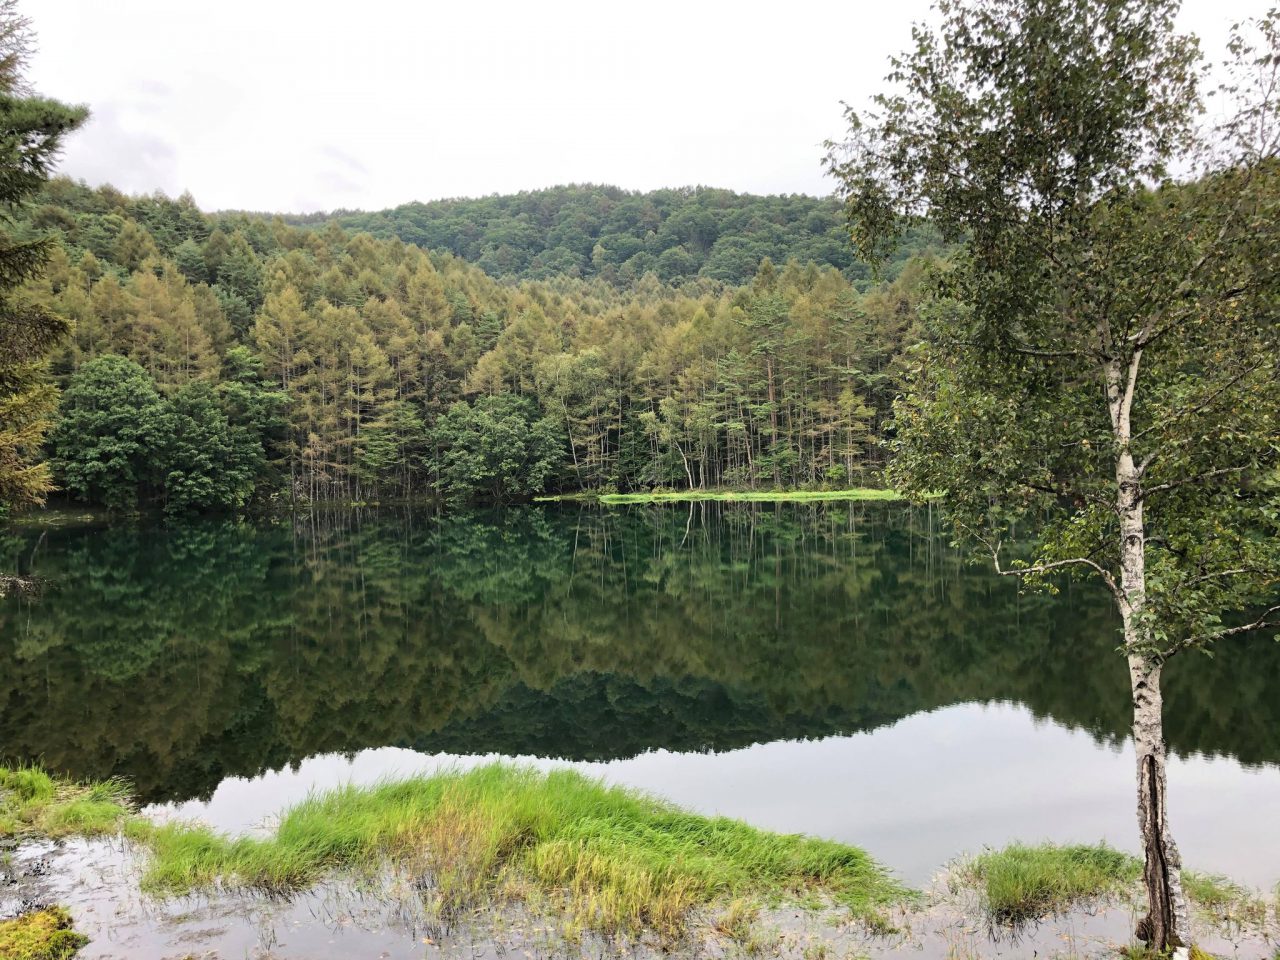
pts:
pixel 504 857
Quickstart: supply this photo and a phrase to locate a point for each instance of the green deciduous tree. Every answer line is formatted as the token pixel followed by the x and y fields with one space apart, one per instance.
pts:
pixel 258 416
pixel 113 425
pixel 203 462
pixel 1104 351
pixel 497 447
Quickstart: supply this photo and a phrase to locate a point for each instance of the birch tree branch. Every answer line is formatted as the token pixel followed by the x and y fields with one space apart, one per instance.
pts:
pixel 1039 568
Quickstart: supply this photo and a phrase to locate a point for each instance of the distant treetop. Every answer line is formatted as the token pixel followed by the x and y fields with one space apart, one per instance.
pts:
pixel 620 235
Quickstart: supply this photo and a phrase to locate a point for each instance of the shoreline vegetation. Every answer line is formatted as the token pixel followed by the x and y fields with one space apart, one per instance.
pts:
pixel 601 860
pixel 726 496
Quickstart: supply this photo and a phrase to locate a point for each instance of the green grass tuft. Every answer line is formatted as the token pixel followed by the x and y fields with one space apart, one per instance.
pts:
pixel 615 860
pixel 1022 883
pixel 40 935
pixel 34 803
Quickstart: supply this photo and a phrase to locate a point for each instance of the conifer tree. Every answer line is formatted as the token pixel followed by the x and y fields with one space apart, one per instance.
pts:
pixel 31 132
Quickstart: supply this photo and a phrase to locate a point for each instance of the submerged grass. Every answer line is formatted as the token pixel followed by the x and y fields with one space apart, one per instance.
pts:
pixel 1021 883
pixel 1223 900
pixel 614 859
pixel 40 935
pixel 34 803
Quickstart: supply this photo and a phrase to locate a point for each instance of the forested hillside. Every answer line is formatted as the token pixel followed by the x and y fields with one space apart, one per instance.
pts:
pixel 620 235
pixel 218 360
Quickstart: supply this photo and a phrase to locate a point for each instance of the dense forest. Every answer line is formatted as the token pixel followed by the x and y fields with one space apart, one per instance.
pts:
pixel 219 360
pixel 620 235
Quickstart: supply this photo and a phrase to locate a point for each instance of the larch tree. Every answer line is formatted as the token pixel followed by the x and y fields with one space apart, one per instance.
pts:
pixel 31 132
pixel 1103 352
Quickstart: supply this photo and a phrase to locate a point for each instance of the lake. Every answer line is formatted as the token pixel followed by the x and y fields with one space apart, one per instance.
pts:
pixel 831 668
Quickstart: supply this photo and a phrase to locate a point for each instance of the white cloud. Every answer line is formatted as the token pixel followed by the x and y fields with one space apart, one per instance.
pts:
pixel 303 106
pixel 113 147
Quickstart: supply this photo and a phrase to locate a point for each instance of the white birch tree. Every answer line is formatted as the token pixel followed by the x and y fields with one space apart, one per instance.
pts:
pixel 1104 354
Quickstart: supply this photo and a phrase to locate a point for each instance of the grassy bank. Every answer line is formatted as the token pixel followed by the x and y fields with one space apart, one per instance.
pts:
pixel 34 803
pixel 745 496
pixel 40 935
pixel 612 859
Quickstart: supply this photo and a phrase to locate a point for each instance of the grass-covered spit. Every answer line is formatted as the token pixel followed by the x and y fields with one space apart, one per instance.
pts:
pixel 745 496
pixel 614 860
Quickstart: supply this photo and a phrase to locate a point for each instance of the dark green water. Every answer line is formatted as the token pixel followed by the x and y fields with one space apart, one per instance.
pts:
pixel 179 657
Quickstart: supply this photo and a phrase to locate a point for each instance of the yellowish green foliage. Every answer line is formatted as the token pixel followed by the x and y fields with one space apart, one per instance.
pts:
pixel 40 935
pixel 783 382
pixel 737 920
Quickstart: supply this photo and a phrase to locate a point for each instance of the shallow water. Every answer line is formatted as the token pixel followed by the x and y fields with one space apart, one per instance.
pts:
pixel 387 918
pixel 830 668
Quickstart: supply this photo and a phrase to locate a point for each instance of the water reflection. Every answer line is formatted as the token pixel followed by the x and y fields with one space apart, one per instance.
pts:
pixel 179 656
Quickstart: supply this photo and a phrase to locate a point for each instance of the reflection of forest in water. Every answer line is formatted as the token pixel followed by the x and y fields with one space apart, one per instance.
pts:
pixel 179 656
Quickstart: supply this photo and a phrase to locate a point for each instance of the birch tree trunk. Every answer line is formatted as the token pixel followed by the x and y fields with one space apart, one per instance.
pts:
pixel 1165 927
pixel 1166 924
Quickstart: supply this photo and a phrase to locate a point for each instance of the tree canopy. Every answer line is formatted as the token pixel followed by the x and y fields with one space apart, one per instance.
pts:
pixel 594 230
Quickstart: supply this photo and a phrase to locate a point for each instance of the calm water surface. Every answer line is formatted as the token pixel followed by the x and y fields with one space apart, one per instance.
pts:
pixel 830 668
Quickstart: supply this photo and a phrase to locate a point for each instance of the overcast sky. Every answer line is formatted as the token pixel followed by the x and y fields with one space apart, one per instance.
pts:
pixel 302 106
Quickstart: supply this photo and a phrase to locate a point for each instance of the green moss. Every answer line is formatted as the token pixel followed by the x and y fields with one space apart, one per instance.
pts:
pixel 1021 883
pixel 613 859
pixel 746 496
pixel 40 935
pixel 34 803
